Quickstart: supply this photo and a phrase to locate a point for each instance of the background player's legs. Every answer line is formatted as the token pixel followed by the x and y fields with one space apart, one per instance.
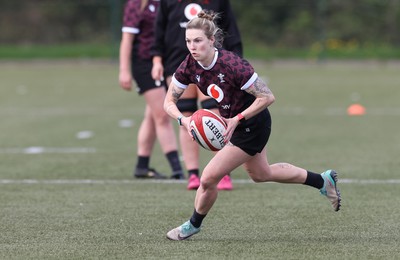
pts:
pixel 157 123
pixel 145 143
pixel 146 134
pixel 187 104
pixel 161 121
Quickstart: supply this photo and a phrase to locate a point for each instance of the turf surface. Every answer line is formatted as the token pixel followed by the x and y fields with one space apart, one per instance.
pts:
pixel 62 197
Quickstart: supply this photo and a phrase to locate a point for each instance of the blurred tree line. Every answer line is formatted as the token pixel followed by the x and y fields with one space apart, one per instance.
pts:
pixel 275 23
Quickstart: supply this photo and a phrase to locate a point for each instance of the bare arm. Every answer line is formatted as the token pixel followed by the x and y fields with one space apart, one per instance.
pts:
pixel 172 97
pixel 157 70
pixel 264 98
pixel 125 50
pixel 158 47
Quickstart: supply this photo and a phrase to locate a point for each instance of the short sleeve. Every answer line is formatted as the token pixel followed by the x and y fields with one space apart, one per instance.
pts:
pixel 132 17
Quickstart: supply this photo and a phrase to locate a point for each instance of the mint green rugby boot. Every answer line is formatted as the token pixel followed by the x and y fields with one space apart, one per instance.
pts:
pixel 183 232
pixel 330 189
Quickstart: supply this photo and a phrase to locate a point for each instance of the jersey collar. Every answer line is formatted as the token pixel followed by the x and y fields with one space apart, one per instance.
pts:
pixel 212 63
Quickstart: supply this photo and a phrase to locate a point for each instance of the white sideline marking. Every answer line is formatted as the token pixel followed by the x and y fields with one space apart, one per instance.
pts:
pixel 51 111
pixel 86 134
pixel 40 150
pixel 102 182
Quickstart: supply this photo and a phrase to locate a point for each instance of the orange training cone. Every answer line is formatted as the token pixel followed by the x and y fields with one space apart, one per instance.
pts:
pixel 356 110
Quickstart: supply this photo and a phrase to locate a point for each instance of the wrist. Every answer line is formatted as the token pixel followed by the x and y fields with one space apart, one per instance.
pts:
pixel 241 118
pixel 157 59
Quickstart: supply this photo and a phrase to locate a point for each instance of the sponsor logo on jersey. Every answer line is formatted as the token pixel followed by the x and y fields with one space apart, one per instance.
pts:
pixel 215 92
pixel 191 10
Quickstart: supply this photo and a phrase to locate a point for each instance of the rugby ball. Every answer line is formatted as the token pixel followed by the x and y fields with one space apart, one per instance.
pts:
pixel 207 129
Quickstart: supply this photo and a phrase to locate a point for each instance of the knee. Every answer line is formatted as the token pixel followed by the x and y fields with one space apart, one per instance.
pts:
pixel 164 119
pixel 208 183
pixel 258 177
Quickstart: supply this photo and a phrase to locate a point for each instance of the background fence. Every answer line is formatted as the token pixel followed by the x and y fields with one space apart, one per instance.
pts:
pixel 273 23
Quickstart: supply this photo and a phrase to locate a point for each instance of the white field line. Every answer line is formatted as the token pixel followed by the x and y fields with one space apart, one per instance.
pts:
pixel 40 150
pixel 119 182
pixel 51 111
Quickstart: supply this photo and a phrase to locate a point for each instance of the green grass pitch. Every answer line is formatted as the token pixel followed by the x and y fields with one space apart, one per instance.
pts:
pixel 63 197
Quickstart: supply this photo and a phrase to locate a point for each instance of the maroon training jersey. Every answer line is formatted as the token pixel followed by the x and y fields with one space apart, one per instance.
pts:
pixel 224 80
pixel 141 24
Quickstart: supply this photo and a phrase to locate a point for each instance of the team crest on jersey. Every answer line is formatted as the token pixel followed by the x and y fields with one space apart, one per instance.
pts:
pixel 221 78
pixel 191 10
pixel 215 92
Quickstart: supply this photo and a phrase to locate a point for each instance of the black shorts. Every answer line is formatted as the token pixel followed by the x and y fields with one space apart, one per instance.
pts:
pixel 252 135
pixel 141 71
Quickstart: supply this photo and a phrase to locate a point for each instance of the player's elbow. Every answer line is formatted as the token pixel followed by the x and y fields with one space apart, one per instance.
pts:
pixel 271 99
pixel 268 100
pixel 166 105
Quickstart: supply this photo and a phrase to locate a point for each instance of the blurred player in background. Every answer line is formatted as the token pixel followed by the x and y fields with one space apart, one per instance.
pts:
pixel 244 101
pixel 135 59
pixel 170 49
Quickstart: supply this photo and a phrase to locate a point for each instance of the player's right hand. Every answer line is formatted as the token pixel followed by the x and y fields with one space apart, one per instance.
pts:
pixel 125 80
